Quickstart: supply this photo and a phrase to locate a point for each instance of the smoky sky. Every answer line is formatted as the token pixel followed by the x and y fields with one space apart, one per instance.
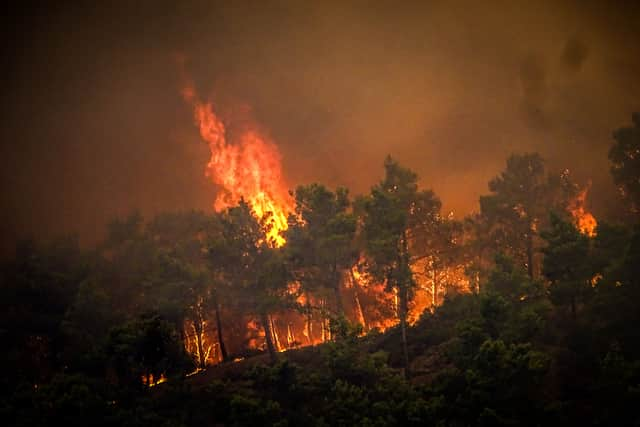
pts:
pixel 93 125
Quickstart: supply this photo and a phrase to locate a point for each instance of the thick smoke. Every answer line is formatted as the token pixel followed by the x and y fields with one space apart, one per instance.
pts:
pixel 574 54
pixel 93 123
pixel 534 91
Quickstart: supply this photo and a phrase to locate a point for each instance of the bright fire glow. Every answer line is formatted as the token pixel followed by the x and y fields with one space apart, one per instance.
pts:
pixel 245 164
pixel 150 381
pixel 247 167
pixel 583 219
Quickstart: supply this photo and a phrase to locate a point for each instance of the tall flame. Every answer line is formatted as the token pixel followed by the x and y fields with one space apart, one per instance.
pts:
pixel 248 167
pixel 583 219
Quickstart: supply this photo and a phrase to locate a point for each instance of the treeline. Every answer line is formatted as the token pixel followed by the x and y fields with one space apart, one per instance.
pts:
pixel 536 321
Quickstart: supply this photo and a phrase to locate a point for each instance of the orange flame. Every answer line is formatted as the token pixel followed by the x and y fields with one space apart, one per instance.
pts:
pixel 583 219
pixel 248 167
pixel 151 381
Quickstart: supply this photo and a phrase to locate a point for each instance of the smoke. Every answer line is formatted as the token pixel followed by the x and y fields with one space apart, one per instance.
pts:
pixel 534 91
pixel 574 54
pixel 94 125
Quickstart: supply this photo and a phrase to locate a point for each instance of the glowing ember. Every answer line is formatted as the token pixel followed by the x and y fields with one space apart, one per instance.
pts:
pixel 247 167
pixel 197 371
pixel 244 164
pixel 195 341
pixel 583 219
pixel 150 381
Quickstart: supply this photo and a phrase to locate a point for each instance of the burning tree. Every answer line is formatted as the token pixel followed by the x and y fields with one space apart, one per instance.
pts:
pixel 439 257
pixel 189 287
pixel 394 210
pixel 246 166
pixel 519 204
pixel 254 269
pixel 320 243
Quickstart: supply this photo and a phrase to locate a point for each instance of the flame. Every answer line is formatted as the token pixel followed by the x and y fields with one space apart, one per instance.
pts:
pixel 210 346
pixel 429 292
pixel 247 167
pixel 378 297
pixel 196 371
pixel 583 219
pixel 366 301
pixel 150 381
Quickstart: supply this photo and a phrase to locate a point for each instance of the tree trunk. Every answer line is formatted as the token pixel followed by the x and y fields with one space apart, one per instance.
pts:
pixel 223 348
pixel 326 330
pixel 309 320
pixel 336 291
pixel 530 269
pixel 356 297
pixel 402 312
pixel 403 293
pixel 434 290
pixel 268 337
pixel 183 334
pixel 274 331
pixel 291 339
pixel 480 268
pixel 197 327
pixel 363 320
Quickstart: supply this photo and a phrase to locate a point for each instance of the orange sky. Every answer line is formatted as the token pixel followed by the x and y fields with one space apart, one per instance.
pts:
pixel 94 125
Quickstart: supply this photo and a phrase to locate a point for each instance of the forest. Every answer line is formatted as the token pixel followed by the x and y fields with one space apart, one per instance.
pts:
pixel 376 309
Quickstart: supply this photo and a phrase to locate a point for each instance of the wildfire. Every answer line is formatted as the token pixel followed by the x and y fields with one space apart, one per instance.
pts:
pixel 245 164
pixel 582 218
pixel 246 167
pixel 151 381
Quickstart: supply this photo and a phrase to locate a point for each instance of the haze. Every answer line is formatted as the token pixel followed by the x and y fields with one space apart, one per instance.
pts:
pixel 93 124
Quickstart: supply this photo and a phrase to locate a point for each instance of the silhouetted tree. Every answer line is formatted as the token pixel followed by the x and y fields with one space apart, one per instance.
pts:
pixel 521 197
pixel 320 241
pixel 255 269
pixel 393 212
pixel 625 162
pixel 37 289
pixel 567 264
pixel 438 251
pixel 145 349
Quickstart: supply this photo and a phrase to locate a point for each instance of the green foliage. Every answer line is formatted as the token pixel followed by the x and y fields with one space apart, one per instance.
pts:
pixel 509 281
pixel 74 400
pixel 521 197
pixel 144 347
pixel 36 290
pixel 625 162
pixel 82 329
pixel 255 412
pixel 341 328
pixel 320 239
pixel 247 260
pixel 567 264
pixel 257 270
pixel 394 211
pixel 494 310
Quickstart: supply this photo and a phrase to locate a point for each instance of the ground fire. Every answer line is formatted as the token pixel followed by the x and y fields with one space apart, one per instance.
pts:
pixel 329 213
pixel 248 166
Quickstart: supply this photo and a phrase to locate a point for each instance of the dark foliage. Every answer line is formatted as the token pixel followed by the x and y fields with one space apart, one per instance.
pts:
pixel 85 332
